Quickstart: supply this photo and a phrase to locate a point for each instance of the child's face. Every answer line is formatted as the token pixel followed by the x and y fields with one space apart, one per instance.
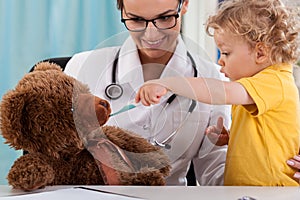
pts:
pixel 237 58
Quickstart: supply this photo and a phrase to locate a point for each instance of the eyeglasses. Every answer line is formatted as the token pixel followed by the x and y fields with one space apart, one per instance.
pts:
pixel 162 23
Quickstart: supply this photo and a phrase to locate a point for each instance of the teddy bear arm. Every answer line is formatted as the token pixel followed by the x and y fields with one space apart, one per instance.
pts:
pixel 85 170
pixel 31 172
pixel 109 160
pixel 139 150
pixel 144 177
pixel 128 140
pixel 116 171
pixel 151 160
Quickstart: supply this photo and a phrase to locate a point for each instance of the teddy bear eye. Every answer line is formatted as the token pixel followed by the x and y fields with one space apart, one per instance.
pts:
pixel 103 104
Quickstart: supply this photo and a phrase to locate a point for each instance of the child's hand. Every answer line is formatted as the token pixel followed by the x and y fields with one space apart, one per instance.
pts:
pixel 218 135
pixel 150 93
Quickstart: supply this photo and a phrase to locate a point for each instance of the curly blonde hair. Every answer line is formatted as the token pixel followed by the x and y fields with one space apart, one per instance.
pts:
pixel 265 21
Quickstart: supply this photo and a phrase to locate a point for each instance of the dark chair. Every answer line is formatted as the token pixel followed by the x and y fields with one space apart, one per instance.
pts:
pixel 62 62
pixel 191 177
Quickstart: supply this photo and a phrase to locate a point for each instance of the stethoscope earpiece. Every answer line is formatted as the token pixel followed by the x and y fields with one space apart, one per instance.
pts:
pixel 162 145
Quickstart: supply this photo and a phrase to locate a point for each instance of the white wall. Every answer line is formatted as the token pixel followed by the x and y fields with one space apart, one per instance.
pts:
pixel 194 20
pixel 194 28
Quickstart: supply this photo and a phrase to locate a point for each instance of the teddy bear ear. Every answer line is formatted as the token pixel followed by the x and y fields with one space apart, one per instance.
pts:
pixel 11 107
pixel 44 66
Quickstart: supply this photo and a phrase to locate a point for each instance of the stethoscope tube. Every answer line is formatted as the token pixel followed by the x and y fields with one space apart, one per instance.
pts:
pixel 114 91
pixel 164 143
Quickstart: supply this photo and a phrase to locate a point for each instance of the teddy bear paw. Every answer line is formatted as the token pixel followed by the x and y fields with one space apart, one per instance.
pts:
pixel 30 174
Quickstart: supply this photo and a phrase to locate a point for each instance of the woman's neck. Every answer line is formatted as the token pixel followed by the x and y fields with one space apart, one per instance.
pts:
pixel 163 60
pixel 153 67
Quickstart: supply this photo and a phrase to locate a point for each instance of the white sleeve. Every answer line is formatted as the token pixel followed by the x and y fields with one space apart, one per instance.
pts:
pixel 209 169
pixel 209 163
pixel 75 63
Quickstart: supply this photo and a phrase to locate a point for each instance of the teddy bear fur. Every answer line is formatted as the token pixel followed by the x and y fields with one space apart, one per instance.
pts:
pixel 61 125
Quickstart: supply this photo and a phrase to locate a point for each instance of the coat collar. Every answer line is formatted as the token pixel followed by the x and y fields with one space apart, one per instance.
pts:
pixel 129 68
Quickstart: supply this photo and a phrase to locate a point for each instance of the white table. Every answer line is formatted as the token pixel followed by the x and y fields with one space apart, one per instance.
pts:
pixel 186 193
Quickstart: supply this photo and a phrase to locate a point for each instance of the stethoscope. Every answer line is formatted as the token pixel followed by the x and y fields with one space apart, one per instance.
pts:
pixel 114 91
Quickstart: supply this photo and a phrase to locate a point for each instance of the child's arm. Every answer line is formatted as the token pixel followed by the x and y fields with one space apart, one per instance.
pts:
pixel 206 90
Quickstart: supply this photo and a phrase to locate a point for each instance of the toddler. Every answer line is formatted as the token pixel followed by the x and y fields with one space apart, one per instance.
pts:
pixel 258 42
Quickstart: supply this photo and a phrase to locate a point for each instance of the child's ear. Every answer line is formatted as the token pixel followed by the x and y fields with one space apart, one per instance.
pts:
pixel 261 53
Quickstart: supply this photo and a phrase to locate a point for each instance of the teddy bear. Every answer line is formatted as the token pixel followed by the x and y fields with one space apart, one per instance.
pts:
pixel 61 125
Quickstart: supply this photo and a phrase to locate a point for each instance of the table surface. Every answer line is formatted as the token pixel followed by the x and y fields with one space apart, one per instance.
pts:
pixel 184 192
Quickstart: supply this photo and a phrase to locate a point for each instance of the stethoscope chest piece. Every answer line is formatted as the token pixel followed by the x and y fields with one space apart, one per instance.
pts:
pixel 113 91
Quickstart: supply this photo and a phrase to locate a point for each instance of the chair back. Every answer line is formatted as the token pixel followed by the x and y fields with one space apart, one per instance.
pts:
pixel 61 61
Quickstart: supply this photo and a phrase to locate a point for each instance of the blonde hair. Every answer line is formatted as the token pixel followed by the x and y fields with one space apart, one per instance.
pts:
pixel 265 21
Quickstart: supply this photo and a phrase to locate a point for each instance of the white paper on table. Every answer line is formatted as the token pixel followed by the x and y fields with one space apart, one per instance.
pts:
pixel 72 193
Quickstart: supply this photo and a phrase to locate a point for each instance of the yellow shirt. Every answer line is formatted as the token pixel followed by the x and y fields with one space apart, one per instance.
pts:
pixel 264 135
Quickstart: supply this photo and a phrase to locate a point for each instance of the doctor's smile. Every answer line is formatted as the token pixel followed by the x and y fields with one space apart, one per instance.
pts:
pixel 154 44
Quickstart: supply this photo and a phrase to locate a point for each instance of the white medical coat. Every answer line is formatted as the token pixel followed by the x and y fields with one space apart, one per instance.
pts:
pixel 95 69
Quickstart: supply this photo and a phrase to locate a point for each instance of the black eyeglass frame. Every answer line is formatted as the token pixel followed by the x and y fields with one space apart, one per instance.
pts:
pixel 153 20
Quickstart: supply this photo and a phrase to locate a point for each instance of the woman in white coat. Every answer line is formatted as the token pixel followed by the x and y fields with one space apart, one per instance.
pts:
pixel 155 49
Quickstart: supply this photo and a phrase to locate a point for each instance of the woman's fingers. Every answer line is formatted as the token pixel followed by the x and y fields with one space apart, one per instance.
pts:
pixel 295 163
pixel 218 135
pixel 220 124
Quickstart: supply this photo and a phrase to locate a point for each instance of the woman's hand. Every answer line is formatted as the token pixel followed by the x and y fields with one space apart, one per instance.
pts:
pixel 295 163
pixel 218 135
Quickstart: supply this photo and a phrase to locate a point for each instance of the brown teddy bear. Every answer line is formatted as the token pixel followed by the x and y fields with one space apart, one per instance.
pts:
pixel 59 123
